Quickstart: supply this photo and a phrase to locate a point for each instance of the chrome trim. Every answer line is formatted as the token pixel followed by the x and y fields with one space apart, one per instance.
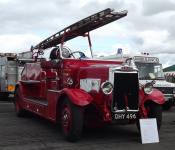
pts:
pixel 53 91
pixel 168 94
pixel 117 70
pixel 103 87
pixel 124 111
pixel 125 71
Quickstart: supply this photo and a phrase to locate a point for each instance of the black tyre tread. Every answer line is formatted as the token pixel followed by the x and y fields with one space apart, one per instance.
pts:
pixel 156 112
pixel 77 122
pixel 21 112
pixel 167 105
pixel 4 96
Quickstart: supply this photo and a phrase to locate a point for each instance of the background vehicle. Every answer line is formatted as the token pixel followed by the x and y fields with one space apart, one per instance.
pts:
pixel 75 90
pixel 8 74
pixel 170 73
pixel 11 66
pixel 170 76
pixel 147 64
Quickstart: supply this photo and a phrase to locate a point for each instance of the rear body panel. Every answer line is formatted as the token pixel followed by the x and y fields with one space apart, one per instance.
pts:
pixel 8 74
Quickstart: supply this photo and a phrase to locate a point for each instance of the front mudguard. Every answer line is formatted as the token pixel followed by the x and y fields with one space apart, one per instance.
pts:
pixel 156 96
pixel 78 96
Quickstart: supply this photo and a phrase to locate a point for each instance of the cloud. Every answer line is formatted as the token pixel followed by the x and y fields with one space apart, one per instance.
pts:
pixel 17 42
pixel 149 25
pixel 152 7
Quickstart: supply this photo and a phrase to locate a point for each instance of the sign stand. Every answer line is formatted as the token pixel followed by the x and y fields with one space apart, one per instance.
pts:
pixel 149 132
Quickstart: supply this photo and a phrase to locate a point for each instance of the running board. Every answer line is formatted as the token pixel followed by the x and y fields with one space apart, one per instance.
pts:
pixel 125 110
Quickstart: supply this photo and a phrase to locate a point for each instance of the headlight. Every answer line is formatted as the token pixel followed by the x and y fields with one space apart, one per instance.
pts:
pixel 107 87
pixel 174 92
pixel 70 81
pixel 148 88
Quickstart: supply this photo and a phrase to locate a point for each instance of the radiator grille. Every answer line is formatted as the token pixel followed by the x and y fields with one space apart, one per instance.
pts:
pixel 165 90
pixel 126 88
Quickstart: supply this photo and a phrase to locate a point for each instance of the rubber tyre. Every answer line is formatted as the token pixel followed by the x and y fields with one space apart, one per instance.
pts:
pixel 4 96
pixel 155 111
pixel 71 120
pixel 18 109
pixel 167 105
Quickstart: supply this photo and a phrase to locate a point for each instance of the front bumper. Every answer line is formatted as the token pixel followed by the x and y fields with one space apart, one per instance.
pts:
pixel 120 115
pixel 168 97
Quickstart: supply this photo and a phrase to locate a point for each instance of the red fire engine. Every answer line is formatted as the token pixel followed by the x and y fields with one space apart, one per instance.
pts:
pixel 74 90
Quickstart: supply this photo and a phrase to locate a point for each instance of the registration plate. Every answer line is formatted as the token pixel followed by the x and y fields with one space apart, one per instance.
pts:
pixel 125 116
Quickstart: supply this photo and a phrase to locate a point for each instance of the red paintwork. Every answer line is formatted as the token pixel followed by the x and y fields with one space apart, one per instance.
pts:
pixel 156 96
pixel 45 82
pixel 44 85
pixel 78 97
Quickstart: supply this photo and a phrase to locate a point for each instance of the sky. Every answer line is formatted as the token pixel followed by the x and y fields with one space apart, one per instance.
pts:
pixel 148 27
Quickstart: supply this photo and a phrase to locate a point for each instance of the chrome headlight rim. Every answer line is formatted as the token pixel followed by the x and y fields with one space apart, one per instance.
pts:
pixel 148 88
pixel 173 90
pixel 107 87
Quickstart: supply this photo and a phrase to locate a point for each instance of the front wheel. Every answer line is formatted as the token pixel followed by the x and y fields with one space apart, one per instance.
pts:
pixel 71 120
pixel 155 111
pixel 167 105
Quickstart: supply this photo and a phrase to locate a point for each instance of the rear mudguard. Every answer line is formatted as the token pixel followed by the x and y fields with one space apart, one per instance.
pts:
pixel 18 85
pixel 156 96
pixel 77 96
pixel 20 88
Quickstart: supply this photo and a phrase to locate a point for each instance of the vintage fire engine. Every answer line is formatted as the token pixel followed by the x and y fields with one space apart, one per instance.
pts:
pixel 76 91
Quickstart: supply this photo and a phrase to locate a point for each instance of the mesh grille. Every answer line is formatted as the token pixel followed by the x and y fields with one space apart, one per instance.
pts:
pixel 165 90
pixel 125 92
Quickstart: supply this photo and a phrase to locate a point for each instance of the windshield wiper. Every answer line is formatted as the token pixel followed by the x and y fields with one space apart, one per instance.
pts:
pixel 144 78
pixel 160 78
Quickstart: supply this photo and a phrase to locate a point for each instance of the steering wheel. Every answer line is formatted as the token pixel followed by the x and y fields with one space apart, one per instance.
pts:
pixel 78 55
pixel 66 52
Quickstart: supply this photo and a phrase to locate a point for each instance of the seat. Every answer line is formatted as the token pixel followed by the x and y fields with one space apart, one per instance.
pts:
pixel 50 64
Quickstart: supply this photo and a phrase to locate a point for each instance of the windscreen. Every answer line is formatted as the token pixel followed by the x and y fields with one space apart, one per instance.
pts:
pixel 146 68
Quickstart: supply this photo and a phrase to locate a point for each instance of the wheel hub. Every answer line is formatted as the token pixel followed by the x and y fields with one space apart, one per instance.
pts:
pixel 66 119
